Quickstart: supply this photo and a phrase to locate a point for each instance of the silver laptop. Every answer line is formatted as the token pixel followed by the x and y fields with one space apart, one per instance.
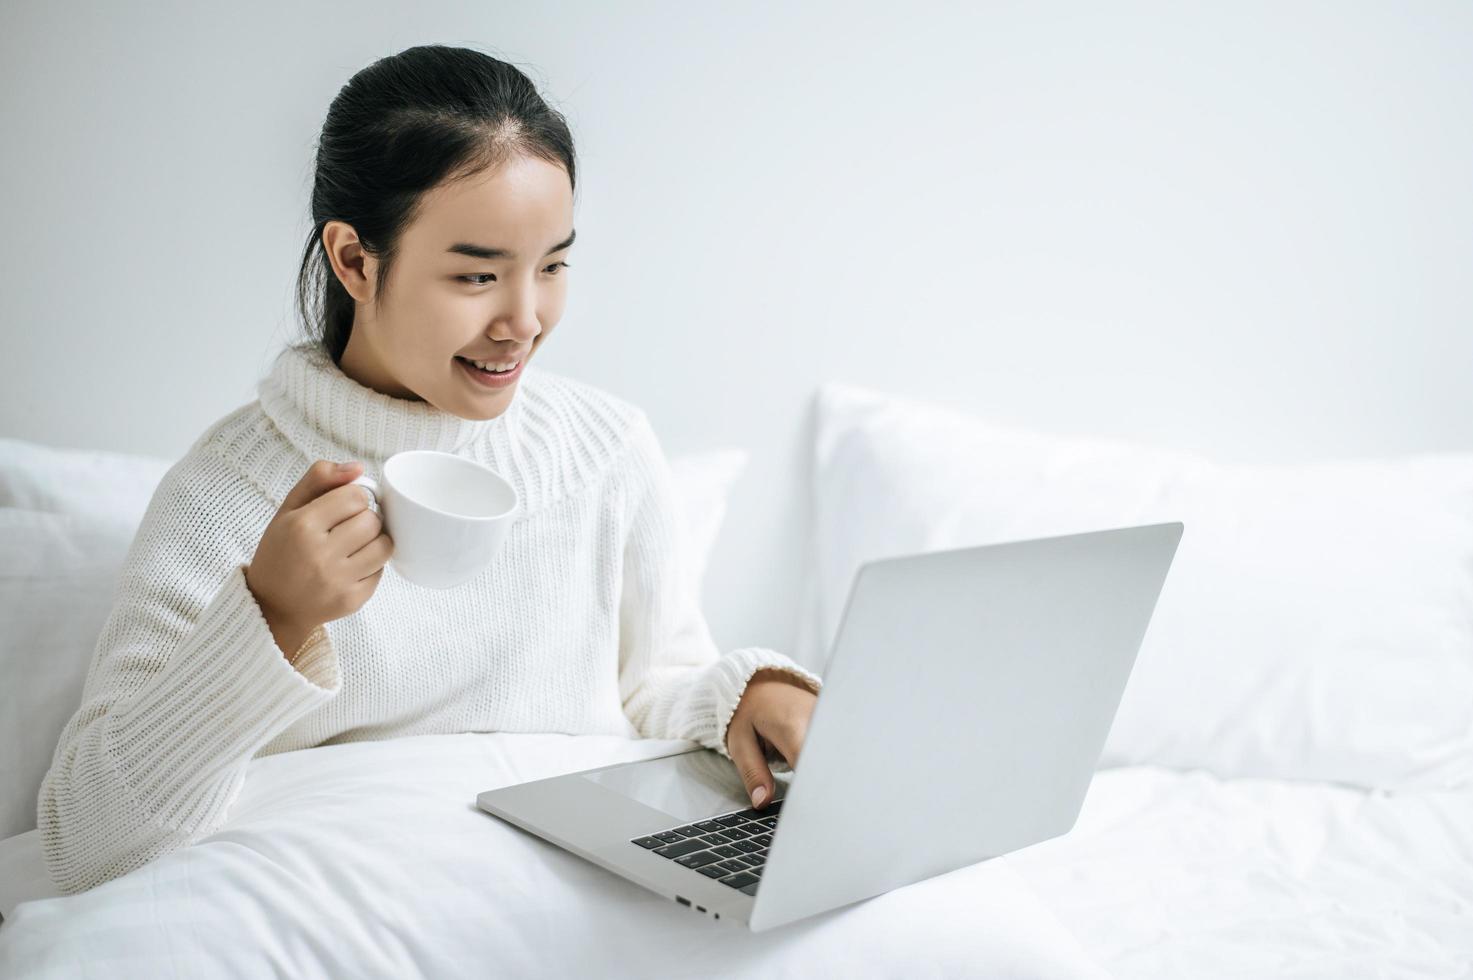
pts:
pixel 965 705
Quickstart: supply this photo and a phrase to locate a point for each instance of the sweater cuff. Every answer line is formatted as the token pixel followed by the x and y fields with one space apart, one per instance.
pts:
pixel 316 659
pixel 733 671
pixel 224 691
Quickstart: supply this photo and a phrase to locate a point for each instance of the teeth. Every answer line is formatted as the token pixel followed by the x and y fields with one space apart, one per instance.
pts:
pixel 495 367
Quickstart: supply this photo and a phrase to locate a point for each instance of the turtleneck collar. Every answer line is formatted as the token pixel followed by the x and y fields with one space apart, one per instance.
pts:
pixel 329 415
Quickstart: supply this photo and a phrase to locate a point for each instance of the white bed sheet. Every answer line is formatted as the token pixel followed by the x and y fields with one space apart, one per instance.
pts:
pixel 371 859
pixel 1172 874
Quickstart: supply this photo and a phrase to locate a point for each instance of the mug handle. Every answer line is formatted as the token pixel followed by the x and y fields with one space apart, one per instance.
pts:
pixel 368 483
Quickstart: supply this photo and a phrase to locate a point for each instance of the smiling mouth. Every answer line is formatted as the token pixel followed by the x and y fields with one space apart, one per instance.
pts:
pixel 472 366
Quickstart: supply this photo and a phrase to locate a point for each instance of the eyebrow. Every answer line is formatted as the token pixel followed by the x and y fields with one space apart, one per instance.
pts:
pixel 484 252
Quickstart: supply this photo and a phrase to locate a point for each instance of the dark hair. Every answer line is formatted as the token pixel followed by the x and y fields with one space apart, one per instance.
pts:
pixel 400 127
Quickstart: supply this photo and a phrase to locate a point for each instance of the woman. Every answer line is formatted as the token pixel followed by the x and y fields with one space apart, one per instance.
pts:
pixel 243 626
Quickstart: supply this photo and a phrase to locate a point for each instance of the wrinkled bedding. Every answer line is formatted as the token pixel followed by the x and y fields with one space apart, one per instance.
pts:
pixel 370 859
pixel 1175 874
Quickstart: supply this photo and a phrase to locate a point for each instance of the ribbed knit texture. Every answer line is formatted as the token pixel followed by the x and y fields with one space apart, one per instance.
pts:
pixel 585 622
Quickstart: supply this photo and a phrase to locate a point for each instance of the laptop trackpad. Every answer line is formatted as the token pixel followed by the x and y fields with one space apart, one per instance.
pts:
pixel 688 786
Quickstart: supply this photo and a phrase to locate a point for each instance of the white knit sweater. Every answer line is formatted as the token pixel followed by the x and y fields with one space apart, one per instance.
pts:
pixel 585 622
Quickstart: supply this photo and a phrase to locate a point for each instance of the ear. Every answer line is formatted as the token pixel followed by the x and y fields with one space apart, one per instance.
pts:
pixel 354 267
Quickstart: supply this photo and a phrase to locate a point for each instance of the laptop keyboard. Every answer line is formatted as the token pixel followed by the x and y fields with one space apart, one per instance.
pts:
pixel 730 848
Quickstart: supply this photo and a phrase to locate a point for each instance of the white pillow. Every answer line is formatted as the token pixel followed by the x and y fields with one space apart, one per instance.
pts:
pixel 57 575
pixel 703 483
pixel 104 485
pixel 1317 622
pixel 67 518
pixel 371 859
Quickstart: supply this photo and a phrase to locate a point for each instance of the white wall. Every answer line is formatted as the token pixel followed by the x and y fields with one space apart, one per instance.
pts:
pixel 1244 228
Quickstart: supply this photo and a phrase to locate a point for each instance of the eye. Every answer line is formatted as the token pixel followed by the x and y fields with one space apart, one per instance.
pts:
pixel 475 280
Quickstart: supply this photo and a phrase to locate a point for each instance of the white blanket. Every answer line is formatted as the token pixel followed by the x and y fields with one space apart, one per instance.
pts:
pixel 371 859
pixel 1183 874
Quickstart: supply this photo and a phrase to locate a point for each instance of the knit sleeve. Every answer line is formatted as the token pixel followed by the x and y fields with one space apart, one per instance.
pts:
pixel 673 680
pixel 186 684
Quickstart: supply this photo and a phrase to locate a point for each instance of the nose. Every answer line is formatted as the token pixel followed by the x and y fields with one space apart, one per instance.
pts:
pixel 520 319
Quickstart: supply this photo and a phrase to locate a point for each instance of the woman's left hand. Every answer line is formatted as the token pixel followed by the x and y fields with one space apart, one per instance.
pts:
pixel 772 716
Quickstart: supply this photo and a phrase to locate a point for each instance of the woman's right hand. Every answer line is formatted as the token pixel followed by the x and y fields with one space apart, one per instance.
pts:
pixel 321 556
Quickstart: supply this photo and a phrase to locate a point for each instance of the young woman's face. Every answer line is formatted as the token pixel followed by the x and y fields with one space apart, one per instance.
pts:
pixel 478 275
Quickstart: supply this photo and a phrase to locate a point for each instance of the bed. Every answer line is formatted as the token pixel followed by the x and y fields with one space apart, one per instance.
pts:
pixel 1287 790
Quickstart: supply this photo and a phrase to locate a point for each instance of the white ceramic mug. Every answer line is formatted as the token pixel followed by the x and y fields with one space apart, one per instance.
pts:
pixel 447 515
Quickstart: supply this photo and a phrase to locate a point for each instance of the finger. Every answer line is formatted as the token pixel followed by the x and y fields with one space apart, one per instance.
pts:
pixel 773 754
pixel 775 761
pixel 321 476
pixel 372 557
pixel 336 506
pixel 347 536
pixel 784 742
pixel 746 755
